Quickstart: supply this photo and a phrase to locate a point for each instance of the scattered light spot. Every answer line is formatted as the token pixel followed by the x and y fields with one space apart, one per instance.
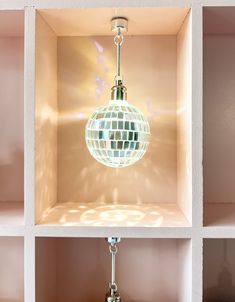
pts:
pixel 99 47
pixel 107 214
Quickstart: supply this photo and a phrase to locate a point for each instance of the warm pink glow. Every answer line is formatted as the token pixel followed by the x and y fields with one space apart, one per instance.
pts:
pixel 115 214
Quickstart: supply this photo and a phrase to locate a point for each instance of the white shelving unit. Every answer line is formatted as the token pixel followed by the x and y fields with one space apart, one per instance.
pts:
pixel 57 204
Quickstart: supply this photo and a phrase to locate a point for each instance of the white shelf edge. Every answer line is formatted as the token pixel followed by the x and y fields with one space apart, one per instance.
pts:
pixel 43 4
pixel 29 115
pixel 29 162
pixel 73 4
pixel 29 268
pixel 218 232
pixel 197 268
pixel 124 232
pixel 13 5
pixel 12 231
pixel 197 105
pixel 197 152
pixel 218 2
pixel 206 232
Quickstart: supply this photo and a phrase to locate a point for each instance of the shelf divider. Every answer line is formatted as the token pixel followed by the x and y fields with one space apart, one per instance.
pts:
pixel 197 130
pixel 29 113
pixel 29 128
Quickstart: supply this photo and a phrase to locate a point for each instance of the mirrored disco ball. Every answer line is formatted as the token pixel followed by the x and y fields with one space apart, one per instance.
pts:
pixel 117 135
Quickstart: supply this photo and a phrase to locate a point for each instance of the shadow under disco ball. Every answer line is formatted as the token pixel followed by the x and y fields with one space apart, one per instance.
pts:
pixel 117 135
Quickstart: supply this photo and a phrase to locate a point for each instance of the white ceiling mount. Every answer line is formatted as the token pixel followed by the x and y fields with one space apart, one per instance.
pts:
pixel 119 22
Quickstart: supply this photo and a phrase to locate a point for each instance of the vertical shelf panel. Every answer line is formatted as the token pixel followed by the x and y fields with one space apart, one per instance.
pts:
pixel 29 84
pixel 12 269
pixel 11 117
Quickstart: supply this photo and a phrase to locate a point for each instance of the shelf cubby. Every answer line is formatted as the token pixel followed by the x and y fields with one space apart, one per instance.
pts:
pixel 219 270
pixel 12 269
pixel 78 269
pixel 12 117
pixel 219 116
pixel 75 66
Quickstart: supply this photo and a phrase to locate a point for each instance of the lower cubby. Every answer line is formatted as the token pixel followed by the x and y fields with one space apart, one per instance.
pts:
pixel 219 270
pixel 12 269
pixel 79 269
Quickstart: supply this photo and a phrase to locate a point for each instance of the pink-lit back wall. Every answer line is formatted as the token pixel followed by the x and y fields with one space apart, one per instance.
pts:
pixel 86 69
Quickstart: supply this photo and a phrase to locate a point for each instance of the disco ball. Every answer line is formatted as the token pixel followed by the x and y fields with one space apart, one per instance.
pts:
pixel 117 135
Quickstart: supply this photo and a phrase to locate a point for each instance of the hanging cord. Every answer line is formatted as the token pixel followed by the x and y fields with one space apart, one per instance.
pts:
pixel 113 250
pixel 118 40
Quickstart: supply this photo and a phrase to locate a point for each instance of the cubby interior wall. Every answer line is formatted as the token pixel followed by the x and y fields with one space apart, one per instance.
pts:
pixel 219 118
pixel 68 178
pixel 11 23
pixel 12 119
pixel 12 269
pixel 86 69
pixel 46 117
pixel 219 270
pixel 184 117
pixel 75 265
pixel 46 270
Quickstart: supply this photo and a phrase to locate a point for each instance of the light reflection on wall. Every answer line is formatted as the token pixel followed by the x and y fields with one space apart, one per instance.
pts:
pixel 86 67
